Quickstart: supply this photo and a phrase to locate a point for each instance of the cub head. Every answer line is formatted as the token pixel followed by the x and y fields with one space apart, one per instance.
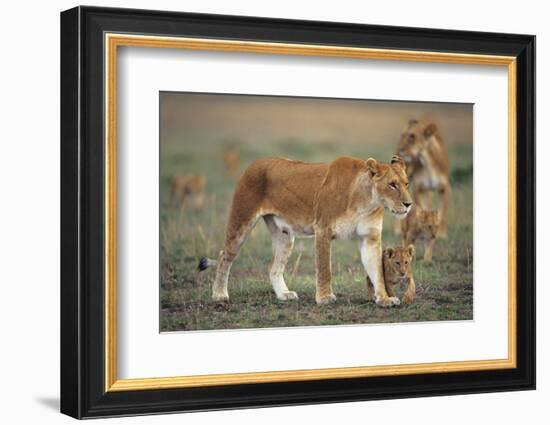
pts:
pixel 427 224
pixel 390 185
pixel 399 260
pixel 414 139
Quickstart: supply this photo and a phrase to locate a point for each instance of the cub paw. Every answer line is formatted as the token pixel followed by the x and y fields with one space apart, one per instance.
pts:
pixel 387 301
pixel 287 295
pixel 327 299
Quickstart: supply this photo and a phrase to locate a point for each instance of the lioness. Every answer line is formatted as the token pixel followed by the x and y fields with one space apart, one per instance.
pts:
pixel 397 269
pixel 187 190
pixel 421 225
pixel 327 201
pixel 422 148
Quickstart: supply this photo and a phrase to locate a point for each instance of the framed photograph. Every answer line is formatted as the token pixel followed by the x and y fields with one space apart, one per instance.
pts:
pixel 261 212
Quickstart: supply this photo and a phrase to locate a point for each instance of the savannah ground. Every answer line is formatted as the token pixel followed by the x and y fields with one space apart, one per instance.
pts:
pixel 444 287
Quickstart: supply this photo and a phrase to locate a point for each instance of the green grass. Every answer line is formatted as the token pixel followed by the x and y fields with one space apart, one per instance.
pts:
pixel 444 287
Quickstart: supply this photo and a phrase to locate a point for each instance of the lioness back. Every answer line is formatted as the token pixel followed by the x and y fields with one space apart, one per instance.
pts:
pixel 284 185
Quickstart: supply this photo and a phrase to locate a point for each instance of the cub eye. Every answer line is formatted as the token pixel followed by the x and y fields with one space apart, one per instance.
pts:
pixel 406 262
pixel 398 263
pixel 393 185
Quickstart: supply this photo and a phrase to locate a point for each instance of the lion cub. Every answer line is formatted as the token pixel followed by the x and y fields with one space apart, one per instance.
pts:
pixel 397 268
pixel 421 225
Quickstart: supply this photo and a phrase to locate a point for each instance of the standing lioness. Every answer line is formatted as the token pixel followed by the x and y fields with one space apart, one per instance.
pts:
pixel 330 201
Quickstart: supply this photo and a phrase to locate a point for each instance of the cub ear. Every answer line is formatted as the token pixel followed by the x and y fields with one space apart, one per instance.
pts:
pixel 390 252
pixel 429 130
pixel 372 166
pixel 398 161
pixel 411 250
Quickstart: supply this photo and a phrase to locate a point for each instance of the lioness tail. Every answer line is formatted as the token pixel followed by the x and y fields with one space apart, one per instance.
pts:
pixel 205 263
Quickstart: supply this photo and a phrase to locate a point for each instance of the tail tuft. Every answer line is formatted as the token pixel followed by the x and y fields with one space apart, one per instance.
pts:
pixel 205 263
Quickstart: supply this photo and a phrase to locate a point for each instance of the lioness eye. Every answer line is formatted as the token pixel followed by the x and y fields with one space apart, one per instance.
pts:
pixel 398 263
pixel 406 262
pixel 394 185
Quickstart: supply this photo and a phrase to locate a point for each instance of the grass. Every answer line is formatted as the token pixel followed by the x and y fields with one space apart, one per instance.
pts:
pixel 444 287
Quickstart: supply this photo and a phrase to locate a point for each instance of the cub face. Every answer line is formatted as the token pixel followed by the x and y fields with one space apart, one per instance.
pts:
pixel 427 224
pixel 390 185
pixel 398 262
pixel 414 139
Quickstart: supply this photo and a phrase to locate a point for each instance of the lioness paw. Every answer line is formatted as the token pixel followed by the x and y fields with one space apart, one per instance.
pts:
pixel 327 299
pixel 287 295
pixel 387 301
pixel 220 297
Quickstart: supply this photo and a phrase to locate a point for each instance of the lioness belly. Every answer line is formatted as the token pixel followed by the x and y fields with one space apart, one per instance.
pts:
pixel 297 229
pixel 428 179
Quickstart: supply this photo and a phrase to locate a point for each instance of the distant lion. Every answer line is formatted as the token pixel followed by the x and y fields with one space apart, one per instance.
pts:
pixel 327 201
pixel 422 148
pixel 232 161
pixel 397 267
pixel 187 190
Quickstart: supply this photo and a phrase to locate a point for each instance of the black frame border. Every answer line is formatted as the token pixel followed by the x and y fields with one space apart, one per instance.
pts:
pixel 82 212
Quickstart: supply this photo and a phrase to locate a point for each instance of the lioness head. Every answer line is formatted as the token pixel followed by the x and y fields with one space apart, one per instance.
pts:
pixel 399 261
pixel 390 185
pixel 427 224
pixel 414 139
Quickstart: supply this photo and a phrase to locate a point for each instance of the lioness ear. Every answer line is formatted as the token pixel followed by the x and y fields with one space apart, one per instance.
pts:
pixel 398 161
pixel 372 166
pixel 413 121
pixel 390 252
pixel 411 250
pixel 430 129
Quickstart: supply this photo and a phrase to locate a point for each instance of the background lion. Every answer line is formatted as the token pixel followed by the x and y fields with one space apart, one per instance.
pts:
pixel 187 190
pixel 422 148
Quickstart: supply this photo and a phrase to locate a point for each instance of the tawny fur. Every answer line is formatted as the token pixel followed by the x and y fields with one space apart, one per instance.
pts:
pixel 397 267
pixel 421 226
pixel 422 148
pixel 187 190
pixel 328 201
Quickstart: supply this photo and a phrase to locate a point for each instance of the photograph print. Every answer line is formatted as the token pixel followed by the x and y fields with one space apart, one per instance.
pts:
pixel 281 211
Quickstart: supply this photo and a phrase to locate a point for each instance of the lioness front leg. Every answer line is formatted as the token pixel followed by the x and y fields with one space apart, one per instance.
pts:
pixel 371 257
pixel 444 193
pixel 323 290
pixel 428 251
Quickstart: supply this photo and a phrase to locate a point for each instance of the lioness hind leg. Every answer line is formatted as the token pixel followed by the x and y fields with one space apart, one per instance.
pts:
pixel 282 242
pixel 234 241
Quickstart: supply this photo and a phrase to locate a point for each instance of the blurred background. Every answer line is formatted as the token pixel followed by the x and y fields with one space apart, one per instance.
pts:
pixel 209 139
pixel 264 119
